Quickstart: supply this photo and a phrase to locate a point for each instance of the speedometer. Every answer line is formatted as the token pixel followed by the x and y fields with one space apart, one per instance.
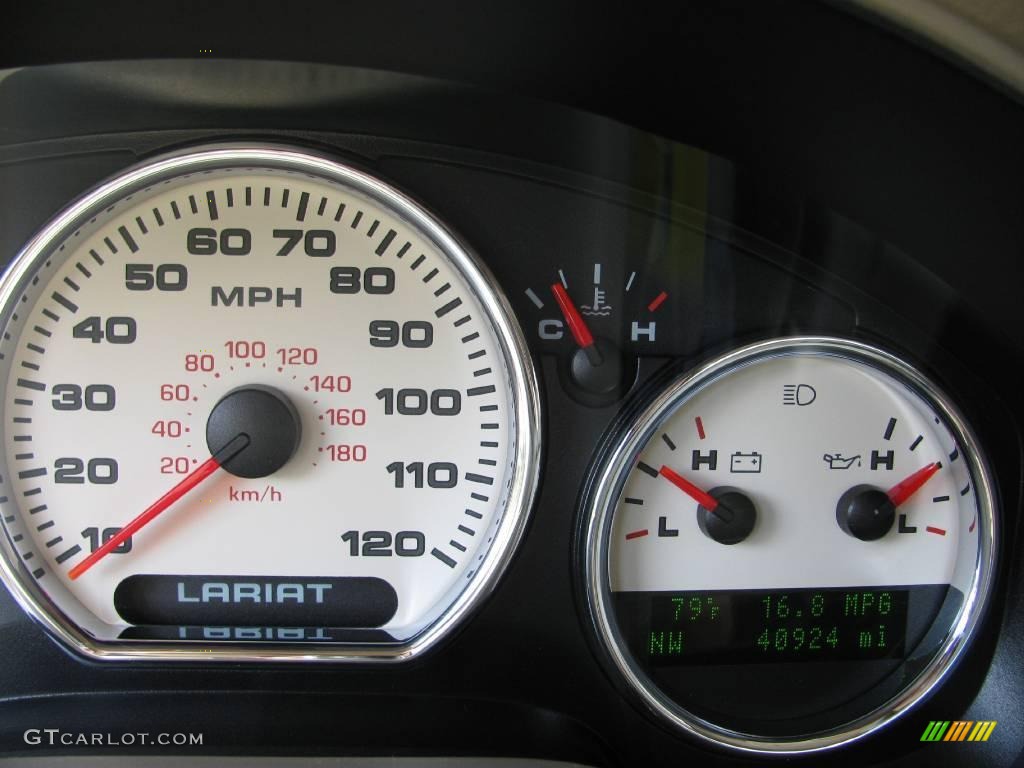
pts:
pixel 258 404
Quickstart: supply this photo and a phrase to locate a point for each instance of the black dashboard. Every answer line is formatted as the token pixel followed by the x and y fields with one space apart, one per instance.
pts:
pixel 718 176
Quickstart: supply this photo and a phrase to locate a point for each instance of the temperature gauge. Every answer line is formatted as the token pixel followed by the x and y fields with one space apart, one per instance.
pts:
pixel 599 324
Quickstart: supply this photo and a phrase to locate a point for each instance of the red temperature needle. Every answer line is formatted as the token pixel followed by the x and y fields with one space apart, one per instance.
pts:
pixel 904 489
pixel 577 326
pixel 197 476
pixel 706 500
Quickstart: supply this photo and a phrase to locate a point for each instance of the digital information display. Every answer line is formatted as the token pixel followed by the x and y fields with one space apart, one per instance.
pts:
pixel 750 626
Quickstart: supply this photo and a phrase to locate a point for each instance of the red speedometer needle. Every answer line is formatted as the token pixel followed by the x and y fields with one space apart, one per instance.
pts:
pixel 577 326
pixel 200 473
pixel 705 499
pixel 904 489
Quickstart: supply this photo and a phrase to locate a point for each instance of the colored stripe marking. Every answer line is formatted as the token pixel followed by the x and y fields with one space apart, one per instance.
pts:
pixel 637 534
pixel 933 529
pixel 935 730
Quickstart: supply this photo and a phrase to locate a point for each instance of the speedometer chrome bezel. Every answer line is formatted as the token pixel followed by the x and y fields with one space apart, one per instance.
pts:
pixel 523 385
pixel 601 501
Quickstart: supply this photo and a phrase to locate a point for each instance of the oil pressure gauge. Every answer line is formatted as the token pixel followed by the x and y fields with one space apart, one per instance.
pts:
pixel 790 547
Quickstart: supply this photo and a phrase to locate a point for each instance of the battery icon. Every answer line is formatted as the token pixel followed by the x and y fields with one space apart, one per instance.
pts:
pixel 745 463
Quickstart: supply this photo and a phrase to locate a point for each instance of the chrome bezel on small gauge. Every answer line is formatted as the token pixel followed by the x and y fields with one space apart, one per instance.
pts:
pixel 74 632
pixel 610 478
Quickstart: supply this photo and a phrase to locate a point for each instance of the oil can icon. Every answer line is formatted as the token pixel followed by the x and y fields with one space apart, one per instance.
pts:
pixel 838 461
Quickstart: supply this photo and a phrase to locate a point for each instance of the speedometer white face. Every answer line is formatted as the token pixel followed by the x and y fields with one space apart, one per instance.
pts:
pixel 255 395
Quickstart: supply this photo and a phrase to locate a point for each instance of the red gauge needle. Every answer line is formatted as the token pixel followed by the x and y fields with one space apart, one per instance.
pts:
pixel 200 473
pixel 577 326
pixel 904 489
pixel 705 499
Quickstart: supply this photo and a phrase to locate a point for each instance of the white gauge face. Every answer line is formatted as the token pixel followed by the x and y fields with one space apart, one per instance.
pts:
pixel 356 379
pixel 794 434
pixel 802 528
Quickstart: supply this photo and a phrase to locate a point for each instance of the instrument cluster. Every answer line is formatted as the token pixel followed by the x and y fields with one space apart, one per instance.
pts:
pixel 284 399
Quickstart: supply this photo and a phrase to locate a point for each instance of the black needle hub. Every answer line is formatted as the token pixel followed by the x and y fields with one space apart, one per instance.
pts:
pixel 267 418
pixel 597 368
pixel 865 512
pixel 733 518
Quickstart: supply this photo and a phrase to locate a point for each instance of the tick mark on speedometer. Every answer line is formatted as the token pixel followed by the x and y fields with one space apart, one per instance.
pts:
pixel 385 243
pixel 449 307
pixel 443 557
pixel 67 554
pixel 211 205
pixel 30 384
